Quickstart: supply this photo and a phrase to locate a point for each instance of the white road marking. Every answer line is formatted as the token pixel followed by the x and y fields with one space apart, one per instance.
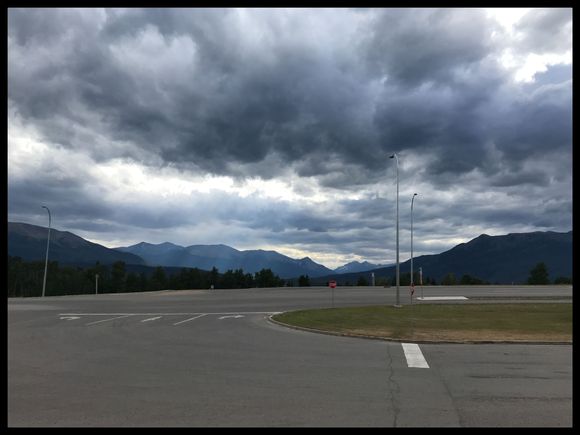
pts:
pixel 414 356
pixel 166 314
pixel 187 320
pixel 107 320
pixel 442 298
pixel 152 318
pixel 74 316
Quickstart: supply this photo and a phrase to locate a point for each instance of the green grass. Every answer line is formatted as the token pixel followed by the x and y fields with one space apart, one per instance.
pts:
pixel 546 322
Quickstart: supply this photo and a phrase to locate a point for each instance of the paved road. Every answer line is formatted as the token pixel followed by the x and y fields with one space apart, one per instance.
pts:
pixel 202 358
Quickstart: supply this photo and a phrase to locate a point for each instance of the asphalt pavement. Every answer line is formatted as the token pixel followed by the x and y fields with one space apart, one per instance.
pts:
pixel 202 358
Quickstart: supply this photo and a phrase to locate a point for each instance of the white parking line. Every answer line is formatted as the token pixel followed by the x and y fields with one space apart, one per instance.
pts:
pixel 106 320
pixel 71 316
pixel 414 356
pixel 165 314
pixel 442 298
pixel 152 318
pixel 187 320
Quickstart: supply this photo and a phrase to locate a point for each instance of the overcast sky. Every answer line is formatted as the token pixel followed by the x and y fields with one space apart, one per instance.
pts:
pixel 272 129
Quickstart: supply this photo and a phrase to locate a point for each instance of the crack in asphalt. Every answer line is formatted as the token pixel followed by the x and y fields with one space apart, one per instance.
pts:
pixel 394 388
pixel 460 419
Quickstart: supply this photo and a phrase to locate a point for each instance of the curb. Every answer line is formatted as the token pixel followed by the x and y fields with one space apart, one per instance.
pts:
pixel 397 340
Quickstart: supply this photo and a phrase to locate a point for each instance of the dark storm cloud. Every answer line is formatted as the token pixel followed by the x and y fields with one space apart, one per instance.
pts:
pixel 69 198
pixel 443 119
pixel 320 95
pixel 413 46
pixel 539 122
pixel 227 104
pixel 237 104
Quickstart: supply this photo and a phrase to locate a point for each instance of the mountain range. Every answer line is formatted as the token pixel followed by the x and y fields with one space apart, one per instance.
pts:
pixel 29 243
pixel 224 257
pixel 504 259
pixel 496 259
pixel 356 266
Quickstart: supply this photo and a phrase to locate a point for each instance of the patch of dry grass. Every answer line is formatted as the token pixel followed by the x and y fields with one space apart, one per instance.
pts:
pixel 539 322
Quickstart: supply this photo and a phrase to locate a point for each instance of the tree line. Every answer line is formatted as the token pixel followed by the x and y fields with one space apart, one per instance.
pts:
pixel 25 279
pixel 538 275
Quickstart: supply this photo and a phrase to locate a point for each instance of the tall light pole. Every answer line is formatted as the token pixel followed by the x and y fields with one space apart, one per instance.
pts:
pixel 47 244
pixel 412 199
pixel 398 303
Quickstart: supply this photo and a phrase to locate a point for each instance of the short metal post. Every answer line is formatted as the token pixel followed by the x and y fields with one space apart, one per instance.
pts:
pixel 421 280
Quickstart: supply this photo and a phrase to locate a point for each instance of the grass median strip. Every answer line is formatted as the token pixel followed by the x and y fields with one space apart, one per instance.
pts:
pixel 544 322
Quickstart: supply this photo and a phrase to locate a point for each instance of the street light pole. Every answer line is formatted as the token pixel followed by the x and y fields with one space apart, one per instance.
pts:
pixel 47 244
pixel 398 303
pixel 412 200
pixel 412 281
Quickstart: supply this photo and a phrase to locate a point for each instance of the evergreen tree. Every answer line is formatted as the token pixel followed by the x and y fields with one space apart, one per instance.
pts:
pixel 470 280
pixel 539 274
pixel 158 279
pixel 132 282
pixel 449 279
pixel 382 281
pixel 249 280
pixel 143 282
pixel 303 281
pixel 118 277
pixel 214 277
pixel 362 281
pixel 228 280
pixel 267 278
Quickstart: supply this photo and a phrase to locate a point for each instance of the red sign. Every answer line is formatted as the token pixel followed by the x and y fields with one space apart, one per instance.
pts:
pixel 332 284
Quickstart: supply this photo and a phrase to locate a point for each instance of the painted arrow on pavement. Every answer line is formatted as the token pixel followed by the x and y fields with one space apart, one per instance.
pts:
pixel 237 316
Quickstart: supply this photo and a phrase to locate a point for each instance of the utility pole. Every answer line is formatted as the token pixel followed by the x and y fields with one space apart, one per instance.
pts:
pixel 412 280
pixel 398 302
pixel 47 245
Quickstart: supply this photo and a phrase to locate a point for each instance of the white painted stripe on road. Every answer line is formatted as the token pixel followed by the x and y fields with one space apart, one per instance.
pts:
pixel 442 298
pixel 107 320
pixel 151 318
pixel 414 356
pixel 187 320
pixel 166 314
